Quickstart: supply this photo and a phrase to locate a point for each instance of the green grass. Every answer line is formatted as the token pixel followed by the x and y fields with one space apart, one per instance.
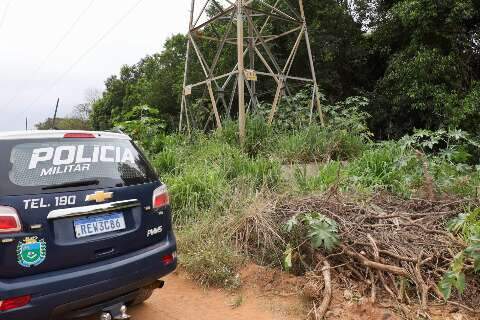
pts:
pixel 317 144
pixel 328 175
pixel 386 167
pixel 212 182
pixel 207 256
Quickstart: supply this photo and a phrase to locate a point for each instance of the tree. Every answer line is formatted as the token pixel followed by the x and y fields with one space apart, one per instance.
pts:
pixel 68 123
pixel 432 68
pixel 417 62
pixel 155 81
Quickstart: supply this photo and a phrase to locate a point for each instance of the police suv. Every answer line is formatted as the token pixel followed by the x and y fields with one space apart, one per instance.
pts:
pixel 85 226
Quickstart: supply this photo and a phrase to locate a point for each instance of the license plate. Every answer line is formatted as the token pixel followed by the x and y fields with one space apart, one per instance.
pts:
pixel 91 226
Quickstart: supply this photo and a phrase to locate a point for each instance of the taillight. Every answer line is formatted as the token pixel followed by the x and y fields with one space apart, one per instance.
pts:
pixel 14 303
pixel 160 197
pixel 169 258
pixel 79 135
pixel 9 220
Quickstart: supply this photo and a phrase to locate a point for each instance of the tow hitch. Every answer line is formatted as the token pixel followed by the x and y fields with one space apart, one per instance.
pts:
pixel 116 312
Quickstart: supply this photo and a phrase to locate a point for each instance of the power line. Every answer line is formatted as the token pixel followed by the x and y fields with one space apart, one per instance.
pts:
pixel 4 15
pixel 84 54
pixel 50 54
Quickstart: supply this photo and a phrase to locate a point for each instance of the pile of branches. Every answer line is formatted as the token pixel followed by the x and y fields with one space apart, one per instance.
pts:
pixel 397 247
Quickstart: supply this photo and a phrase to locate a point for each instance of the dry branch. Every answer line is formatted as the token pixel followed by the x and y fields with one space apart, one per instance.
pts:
pixel 375 265
pixel 327 292
pixel 382 236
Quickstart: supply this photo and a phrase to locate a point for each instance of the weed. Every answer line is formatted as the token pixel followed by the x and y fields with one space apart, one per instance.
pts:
pixel 466 225
pixel 328 175
pixel 222 196
pixel 317 144
pixel 257 172
pixel 386 166
pixel 257 141
pixel 165 162
pixel 456 179
pixel 236 302
pixel 208 259
pixel 196 190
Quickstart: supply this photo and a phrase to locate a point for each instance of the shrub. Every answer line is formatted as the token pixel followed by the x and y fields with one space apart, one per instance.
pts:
pixel 386 166
pixel 326 177
pixel 257 173
pixel 196 190
pixel 317 144
pixel 208 257
pixel 259 135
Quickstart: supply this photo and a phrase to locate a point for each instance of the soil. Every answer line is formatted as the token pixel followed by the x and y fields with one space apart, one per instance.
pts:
pixel 183 299
pixel 266 294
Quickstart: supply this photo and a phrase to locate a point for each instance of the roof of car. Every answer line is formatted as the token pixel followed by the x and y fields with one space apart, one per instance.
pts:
pixel 49 134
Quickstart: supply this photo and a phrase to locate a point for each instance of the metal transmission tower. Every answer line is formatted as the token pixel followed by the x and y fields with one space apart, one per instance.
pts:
pixel 247 26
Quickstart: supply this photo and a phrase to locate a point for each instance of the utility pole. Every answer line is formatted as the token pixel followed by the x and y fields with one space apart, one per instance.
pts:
pixel 55 115
pixel 212 24
pixel 26 123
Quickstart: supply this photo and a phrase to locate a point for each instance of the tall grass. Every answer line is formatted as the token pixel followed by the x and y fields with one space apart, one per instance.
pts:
pixel 212 179
pixel 328 175
pixel 386 166
pixel 317 144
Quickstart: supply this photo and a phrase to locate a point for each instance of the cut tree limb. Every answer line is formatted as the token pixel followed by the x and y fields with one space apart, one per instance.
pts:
pixel 327 292
pixel 376 265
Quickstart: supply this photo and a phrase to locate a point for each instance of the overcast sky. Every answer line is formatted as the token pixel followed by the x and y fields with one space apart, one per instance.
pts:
pixel 42 57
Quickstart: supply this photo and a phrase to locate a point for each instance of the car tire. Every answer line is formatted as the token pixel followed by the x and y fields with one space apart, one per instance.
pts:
pixel 143 295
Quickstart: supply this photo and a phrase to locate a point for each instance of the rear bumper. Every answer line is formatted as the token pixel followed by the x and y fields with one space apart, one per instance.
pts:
pixel 56 293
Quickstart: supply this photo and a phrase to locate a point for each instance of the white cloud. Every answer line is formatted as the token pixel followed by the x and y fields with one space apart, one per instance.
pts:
pixel 32 28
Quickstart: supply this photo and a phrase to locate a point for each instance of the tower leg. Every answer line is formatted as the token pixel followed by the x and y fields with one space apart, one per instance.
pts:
pixel 312 66
pixel 241 73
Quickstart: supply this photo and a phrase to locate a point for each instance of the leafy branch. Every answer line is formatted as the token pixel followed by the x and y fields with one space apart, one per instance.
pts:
pixel 468 226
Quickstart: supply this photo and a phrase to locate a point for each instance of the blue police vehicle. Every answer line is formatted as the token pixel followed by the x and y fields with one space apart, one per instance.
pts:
pixel 85 226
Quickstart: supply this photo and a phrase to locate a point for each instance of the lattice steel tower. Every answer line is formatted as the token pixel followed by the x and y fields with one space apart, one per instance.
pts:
pixel 246 25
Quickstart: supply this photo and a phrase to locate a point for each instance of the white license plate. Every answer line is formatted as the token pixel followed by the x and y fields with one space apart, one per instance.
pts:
pixel 91 226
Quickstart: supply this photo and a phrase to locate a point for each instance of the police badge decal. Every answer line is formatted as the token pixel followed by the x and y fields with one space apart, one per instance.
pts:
pixel 31 252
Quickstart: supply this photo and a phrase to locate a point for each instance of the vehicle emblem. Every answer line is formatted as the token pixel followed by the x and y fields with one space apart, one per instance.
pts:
pixel 99 196
pixel 31 252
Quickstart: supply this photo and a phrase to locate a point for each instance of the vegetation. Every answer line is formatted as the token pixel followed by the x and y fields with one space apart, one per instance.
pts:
pixel 213 182
pixel 417 62
pixel 401 94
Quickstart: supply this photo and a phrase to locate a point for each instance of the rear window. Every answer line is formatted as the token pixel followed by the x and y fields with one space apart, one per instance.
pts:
pixel 30 166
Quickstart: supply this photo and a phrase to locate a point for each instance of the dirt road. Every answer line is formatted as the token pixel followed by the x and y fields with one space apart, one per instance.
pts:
pixel 181 299
pixel 265 295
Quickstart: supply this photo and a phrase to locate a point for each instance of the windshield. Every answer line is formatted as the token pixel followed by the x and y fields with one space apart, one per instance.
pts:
pixel 30 166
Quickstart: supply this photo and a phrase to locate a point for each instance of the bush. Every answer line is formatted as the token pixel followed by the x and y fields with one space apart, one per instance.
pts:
pixel 328 175
pixel 208 257
pixel 317 144
pixel 259 135
pixel 196 190
pixel 386 166
pixel 256 173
